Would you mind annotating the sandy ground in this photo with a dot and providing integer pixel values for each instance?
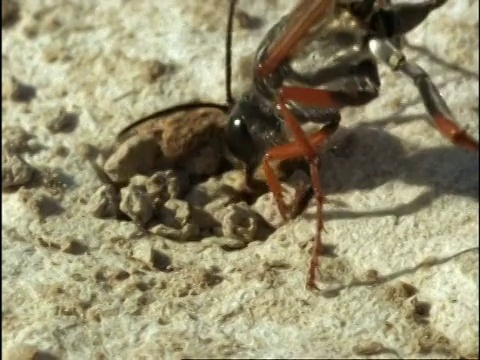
(402, 217)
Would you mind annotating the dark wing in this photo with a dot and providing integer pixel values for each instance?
(307, 14)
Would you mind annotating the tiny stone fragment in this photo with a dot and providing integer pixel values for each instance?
(368, 348)
(154, 69)
(217, 205)
(206, 192)
(203, 218)
(234, 179)
(249, 22)
(15, 139)
(87, 151)
(60, 120)
(139, 180)
(165, 185)
(15, 90)
(15, 170)
(224, 242)
(136, 204)
(54, 180)
(10, 12)
(188, 232)
(46, 243)
(175, 213)
(105, 202)
(144, 252)
(54, 52)
(372, 275)
(239, 221)
(31, 29)
(266, 206)
(61, 151)
(40, 203)
(73, 247)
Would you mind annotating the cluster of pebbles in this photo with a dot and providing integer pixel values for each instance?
(169, 176)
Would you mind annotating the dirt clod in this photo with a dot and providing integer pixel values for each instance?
(239, 221)
(40, 203)
(137, 155)
(15, 139)
(165, 185)
(154, 69)
(368, 348)
(175, 213)
(105, 202)
(136, 204)
(144, 252)
(73, 247)
(15, 170)
(247, 21)
(15, 90)
(225, 243)
(60, 120)
(187, 232)
(10, 12)
(208, 191)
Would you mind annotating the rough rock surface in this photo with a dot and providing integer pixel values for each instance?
(401, 278)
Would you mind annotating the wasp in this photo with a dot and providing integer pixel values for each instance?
(319, 58)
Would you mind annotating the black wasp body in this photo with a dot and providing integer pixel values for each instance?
(338, 54)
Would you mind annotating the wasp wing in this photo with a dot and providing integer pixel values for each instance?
(307, 14)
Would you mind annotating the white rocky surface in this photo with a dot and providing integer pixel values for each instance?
(402, 216)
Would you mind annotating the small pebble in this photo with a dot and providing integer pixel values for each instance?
(105, 202)
(136, 204)
(15, 170)
(15, 139)
(175, 213)
(14, 89)
(165, 185)
(240, 222)
(188, 232)
(60, 120)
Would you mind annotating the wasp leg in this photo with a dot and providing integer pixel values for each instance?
(302, 146)
(433, 101)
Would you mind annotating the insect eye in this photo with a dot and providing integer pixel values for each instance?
(239, 140)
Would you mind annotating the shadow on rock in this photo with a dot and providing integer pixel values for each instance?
(369, 157)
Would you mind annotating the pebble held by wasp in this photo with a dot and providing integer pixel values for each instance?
(317, 59)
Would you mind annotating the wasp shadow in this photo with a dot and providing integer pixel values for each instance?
(335, 291)
(369, 157)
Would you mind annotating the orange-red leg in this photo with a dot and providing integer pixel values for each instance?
(302, 146)
(455, 134)
(431, 97)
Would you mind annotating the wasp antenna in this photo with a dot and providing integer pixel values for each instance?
(228, 53)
